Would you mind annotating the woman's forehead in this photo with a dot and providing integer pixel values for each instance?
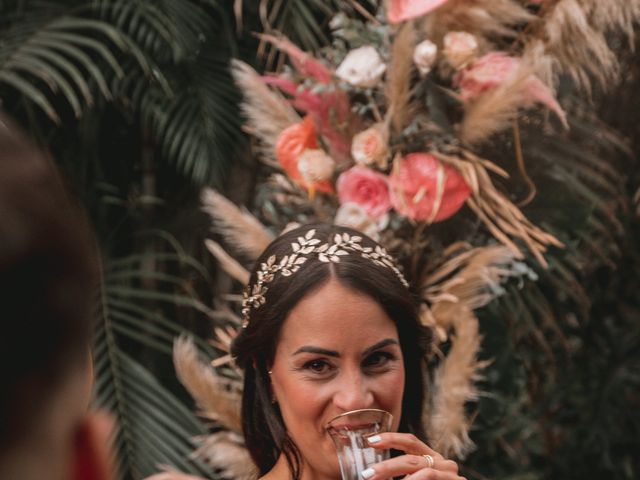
(336, 315)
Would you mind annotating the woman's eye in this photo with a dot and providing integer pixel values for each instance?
(317, 366)
(378, 359)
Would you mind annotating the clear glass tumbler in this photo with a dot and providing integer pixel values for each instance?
(349, 432)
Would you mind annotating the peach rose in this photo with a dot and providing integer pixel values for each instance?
(365, 187)
(423, 188)
(459, 48)
(315, 165)
(370, 147)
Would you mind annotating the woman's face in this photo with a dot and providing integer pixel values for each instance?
(338, 351)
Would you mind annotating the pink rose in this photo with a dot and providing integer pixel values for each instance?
(365, 187)
(423, 188)
(492, 70)
(401, 10)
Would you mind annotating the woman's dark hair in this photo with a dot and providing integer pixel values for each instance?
(254, 348)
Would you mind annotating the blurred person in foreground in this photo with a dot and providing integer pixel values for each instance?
(47, 276)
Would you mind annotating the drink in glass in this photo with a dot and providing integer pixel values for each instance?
(349, 432)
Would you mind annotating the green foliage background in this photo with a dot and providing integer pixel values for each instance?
(135, 102)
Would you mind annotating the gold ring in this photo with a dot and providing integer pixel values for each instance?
(430, 461)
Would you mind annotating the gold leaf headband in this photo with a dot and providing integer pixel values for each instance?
(306, 247)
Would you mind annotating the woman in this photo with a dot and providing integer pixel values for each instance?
(330, 326)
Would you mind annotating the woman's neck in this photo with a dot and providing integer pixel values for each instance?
(281, 471)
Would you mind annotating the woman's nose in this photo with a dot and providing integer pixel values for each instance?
(353, 392)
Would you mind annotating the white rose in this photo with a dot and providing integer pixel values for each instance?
(354, 216)
(371, 147)
(362, 67)
(315, 165)
(424, 56)
(460, 48)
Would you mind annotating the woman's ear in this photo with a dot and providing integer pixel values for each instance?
(92, 458)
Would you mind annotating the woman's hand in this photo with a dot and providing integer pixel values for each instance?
(420, 462)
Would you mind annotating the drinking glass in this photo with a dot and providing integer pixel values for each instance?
(349, 432)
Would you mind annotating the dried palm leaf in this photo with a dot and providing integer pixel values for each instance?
(398, 83)
(572, 38)
(472, 278)
(453, 386)
(228, 264)
(502, 218)
(468, 281)
(266, 110)
(482, 18)
(217, 397)
(614, 16)
(223, 337)
(238, 227)
(495, 110)
(226, 450)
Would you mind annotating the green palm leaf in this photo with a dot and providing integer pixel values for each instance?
(41, 56)
(154, 427)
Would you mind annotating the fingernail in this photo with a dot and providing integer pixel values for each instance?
(368, 473)
(374, 439)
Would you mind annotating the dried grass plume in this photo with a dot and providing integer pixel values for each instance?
(228, 264)
(482, 18)
(238, 227)
(398, 80)
(226, 450)
(266, 110)
(216, 397)
(468, 281)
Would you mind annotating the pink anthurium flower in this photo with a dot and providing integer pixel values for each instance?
(401, 10)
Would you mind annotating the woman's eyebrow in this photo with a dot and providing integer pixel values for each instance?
(380, 344)
(333, 353)
(317, 350)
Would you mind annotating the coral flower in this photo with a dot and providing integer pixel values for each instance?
(291, 144)
(423, 188)
(401, 10)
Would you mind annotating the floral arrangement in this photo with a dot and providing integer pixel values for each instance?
(385, 131)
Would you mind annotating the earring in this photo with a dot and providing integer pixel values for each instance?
(273, 395)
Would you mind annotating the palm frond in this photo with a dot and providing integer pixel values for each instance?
(160, 28)
(72, 55)
(154, 428)
(196, 128)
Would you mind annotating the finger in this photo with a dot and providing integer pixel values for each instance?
(412, 445)
(431, 474)
(406, 465)
(406, 442)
